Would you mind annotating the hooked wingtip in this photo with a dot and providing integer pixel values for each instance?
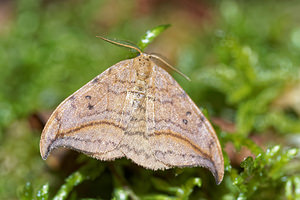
(44, 150)
(47, 140)
(49, 135)
(218, 175)
(219, 179)
(44, 157)
(216, 167)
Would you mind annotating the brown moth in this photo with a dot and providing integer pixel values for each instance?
(135, 109)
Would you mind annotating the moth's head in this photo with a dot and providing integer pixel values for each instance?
(145, 55)
(142, 61)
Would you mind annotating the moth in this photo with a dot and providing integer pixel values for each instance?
(135, 109)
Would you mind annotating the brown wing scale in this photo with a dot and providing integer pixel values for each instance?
(93, 119)
(181, 135)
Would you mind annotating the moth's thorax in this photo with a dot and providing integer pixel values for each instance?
(143, 67)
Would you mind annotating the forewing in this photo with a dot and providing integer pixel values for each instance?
(93, 119)
(181, 136)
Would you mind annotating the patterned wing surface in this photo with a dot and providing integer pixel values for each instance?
(93, 119)
(179, 134)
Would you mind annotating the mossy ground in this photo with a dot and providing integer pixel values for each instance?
(243, 58)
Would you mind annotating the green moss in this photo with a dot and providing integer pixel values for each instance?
(240, 65)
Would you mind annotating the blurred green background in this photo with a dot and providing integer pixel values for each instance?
(243, 58)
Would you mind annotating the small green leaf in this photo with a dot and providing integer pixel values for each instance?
(247, 164)
(162, 185)
(120, 194)
(26, 192)
(189, 187)
(43, 193)
(158, 197)
(182, 192)
(87, 172)
(151, 35)
(72, 181)
(144, 41)
(289, 189)
(292, 188)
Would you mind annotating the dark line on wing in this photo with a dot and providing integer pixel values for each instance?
(126, 146)
(170, 133)
(195, 147)
(93, 123)
(181, 155)
(140, 133)
(156, 133)
(121, 113)
(137, 152)
(80, 140)
(159, 121)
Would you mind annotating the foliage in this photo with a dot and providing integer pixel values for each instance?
(263, 175)
(241, 66)
(151, 35)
